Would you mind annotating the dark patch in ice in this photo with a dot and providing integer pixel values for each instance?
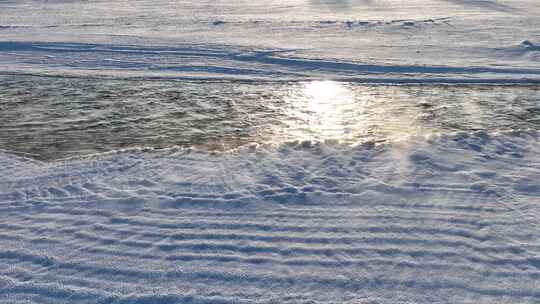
(403, 23)
(528, 45)
(218, 22)
(409, 23)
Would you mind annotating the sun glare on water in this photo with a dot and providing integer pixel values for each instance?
(322, 110)
(329, 103)
(338, 111)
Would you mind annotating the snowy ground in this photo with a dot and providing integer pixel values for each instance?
(446, 212)
(364, 40)
(452, 219)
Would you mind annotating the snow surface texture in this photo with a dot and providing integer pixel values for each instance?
(362, 40)
(448, 219)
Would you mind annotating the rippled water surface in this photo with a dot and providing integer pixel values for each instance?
(51, 118)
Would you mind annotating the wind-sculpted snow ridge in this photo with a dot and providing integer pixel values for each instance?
(225, 63)
(448, 219)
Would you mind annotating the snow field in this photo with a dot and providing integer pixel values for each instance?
(447, 219)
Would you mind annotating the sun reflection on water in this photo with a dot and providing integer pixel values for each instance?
(327, 107)
(337, 111)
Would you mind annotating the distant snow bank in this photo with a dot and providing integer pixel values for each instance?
(303, 222)
(390, 41)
